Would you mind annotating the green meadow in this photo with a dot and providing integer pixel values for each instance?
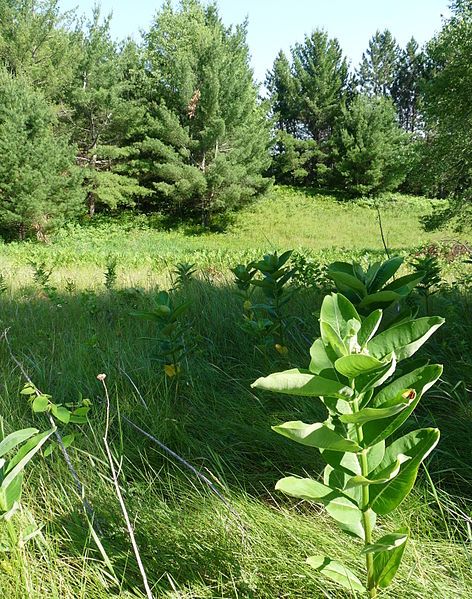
(69, 328)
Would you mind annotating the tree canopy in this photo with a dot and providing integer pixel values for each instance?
(175, 123)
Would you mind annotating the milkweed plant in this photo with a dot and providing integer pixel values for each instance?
(368, 391)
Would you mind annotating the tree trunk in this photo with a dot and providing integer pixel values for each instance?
(90, 195)
(91, 204)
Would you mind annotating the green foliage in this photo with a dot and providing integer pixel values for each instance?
(446, 164)
(377, 70)
(352, 371)
(373, 289)
(370, 148)
(41, 274)
(36, 43)
(406, 88)
(74, 413)
(206, 143)
(172, 346)
(310, 273)
(101, 117)
(430, 270)
(265, 320)
(110, 272)
(183, 275)
(307, 98)
(40, 185)
(29, 441)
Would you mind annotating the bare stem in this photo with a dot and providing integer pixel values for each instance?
(101, 377)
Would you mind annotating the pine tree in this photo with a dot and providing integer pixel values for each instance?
(101, 116)
(39, 182)
(206, 146)
(307, 98)
(37, 41)
(369, 147)
(281, 86)
(321, 74)
(377, 71)
(406, 86)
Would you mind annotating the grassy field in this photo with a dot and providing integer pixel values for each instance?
(192, 546)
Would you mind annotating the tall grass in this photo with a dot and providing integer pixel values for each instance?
(191, 545)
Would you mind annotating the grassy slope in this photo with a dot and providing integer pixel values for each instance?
(191, 546)
(286, 219)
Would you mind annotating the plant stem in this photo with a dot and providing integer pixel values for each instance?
(369, 559)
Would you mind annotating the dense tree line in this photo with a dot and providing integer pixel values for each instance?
(176, 123)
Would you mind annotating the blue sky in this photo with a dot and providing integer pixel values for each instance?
(278, 24)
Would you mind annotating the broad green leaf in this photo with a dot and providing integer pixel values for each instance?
(375, 454)
(336, 478)
(315, 435)
(369, 327)
(24, 455)
(404, 339)
(13, 439)
(388, 542)
(28, 390)
(381, 297)
(10, 494)
(419, 380)
(338, 505)
(61, 413)
(346, 462)
(343, 279)
(308, 488)
(322, 357)
(369, 414)
(404, 285)
(336, 406)
(67, 440)
(40, 403)
(336, 571)
(416, 445)
(385, 272)
(302, 382)
(371, 380)
(355, 364)
(332, 339)
(381, 477)
(50, 449)
(372, 270)
(349, 462)
(337, 311)
(386, 563)
(339, 266)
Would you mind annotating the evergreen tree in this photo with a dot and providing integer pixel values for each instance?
(281, 86)
(321, 75)
(36, 41)
(369, 147)
(377, 71)
(448, 152)
(206, 144)
(39, 182)
(101, 116)
(406, 86)
(307, 98)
